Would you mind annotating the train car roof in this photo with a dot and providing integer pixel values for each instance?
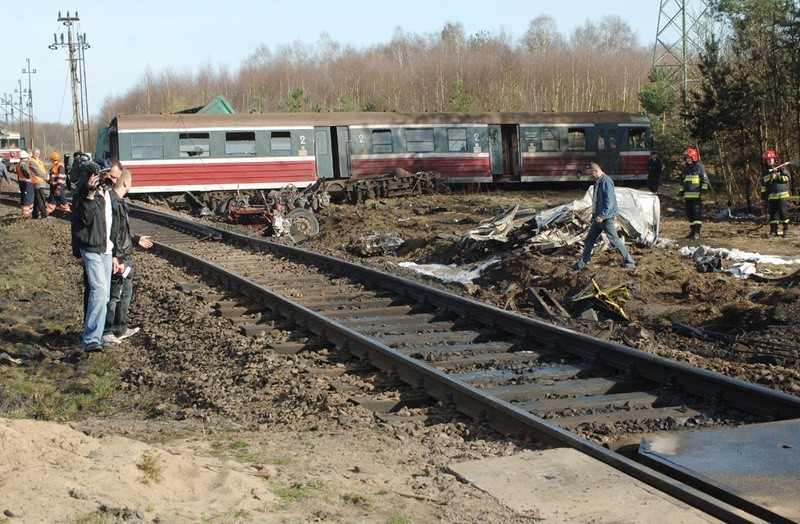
(248, 120)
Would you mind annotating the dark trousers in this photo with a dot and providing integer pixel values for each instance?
(694, 211)
(778, 210)
(39, 203)
(119, 302)
(58, 194)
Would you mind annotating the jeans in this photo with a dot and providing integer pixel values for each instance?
(118, 303)
(609, 227)
(97, 269)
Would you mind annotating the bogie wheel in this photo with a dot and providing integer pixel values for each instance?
(303, 221)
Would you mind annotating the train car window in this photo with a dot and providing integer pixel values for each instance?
(550, 141)
(280, 143)
(612, 139)
(381, 141)
(240, 144)
(601, 142)
(419, 140)
(147, 145)
(576, 139)
(457, 139)
(637, 138)
(193, 145)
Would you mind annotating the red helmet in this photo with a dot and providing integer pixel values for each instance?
(769, 154)
(692, 153)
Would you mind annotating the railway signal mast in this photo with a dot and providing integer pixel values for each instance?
(76, 45)
(683, 28)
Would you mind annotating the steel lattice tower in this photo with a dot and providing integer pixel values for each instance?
(683, 28)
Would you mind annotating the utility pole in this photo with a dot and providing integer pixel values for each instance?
(21, 105)
(75, 47)
(683, 28)
(29, 72)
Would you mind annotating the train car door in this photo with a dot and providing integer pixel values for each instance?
(608, 148)
(504, 155)
(340, 143)
(323, 152)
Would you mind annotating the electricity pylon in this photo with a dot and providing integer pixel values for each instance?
(684, 26)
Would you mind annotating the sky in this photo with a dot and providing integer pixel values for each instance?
(128, 38)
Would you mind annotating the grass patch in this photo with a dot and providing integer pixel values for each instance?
(399, 519)
(297, 491)
(357, 499)
(236, 450)
(151, 471)
(47, 393)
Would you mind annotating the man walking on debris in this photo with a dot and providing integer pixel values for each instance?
(654, 168)
(694, 184)
(604, 213)
(775, 180)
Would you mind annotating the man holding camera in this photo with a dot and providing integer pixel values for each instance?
(92, 246)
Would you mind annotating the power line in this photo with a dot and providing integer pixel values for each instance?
(76, 45)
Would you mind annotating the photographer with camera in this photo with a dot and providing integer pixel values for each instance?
(92, 245)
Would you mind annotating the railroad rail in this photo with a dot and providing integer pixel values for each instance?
(519, 375)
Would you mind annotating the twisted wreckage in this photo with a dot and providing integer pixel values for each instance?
(639, 216)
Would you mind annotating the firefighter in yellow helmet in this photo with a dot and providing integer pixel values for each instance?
(694, 184)
(775, 180)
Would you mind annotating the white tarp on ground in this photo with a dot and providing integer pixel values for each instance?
(639, 213)
(736, 254)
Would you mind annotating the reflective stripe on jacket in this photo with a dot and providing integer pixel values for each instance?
(694, 181)
(57, 174)
(778, 188)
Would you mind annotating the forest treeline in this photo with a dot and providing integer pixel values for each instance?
(746, 98)
(600, 66)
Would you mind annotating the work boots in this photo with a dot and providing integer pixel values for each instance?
(773, 230)
(785, 230)
(694, 232)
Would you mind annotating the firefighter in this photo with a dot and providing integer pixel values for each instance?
(775, 182)
(58, 185)
(694, 184)
(25, 187)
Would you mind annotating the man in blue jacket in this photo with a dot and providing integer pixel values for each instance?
(604, 212)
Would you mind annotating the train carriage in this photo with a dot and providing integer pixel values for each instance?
(207, 152)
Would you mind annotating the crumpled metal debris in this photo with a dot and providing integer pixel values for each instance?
(376, 244)
(499, 227)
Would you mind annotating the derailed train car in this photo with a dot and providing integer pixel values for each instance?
(256, 151)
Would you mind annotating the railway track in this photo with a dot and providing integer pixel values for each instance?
(516, 374)
(521, 376)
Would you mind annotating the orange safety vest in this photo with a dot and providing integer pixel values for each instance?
(35, 179)
(57, 174)
(23, 170)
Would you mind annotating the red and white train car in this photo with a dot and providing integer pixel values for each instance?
(212, 152)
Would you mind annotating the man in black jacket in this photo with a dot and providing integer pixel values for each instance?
(116, 326)
(92, 247)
